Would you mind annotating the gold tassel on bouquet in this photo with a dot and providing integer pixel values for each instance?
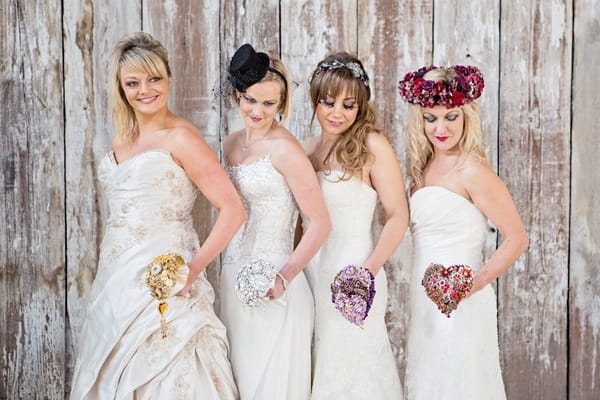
(161, 276)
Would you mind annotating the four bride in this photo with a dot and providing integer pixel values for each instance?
(302, 293)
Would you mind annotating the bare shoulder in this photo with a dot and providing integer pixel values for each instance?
(310, 144)
(479, 178)
(283, 141)
(231, 139)
(475, 169)
(285, 149)
(376, 141)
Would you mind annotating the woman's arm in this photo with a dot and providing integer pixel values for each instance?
(490, 195)
(386, 178)
(292, 163)
(202, 166)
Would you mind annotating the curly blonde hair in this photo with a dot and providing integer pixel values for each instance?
(137, 51)
(420, 149)
(351, 149)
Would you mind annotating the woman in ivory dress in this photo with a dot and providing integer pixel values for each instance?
(151, 177)
(454, 192)
(356, 167)
(270, 343)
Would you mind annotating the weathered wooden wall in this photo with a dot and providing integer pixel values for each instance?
(540, 62)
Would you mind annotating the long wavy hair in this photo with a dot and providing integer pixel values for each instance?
(137, 51)
(420, 149)
(350, 148)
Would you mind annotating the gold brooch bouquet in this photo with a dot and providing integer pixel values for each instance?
(162, 274)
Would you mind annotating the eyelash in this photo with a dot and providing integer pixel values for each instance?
(135, 83)
(450, 118)
(331, 104)
(252, 101)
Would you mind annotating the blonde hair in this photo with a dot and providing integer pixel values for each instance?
(137, 51)
(420, 149)
(285, 106)
(351, 149)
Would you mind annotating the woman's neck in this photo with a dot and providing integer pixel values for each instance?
(148, 123)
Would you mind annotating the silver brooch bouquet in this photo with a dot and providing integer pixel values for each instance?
(254, 280)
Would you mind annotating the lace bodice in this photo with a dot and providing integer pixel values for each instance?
(271, 208)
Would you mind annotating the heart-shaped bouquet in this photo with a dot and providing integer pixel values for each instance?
(447, 286)
(352, 293)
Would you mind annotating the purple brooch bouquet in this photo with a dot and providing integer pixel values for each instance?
(352, 293)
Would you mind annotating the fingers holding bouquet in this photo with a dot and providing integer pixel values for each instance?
(258, 281)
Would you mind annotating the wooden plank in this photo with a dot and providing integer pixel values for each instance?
(190, 31)
(584, 285)
(534, 162)
(385, 30)
(313, 30)
(459, 40)
(91, 30)
(32, 251)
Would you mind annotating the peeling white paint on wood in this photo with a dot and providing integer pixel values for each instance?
(524, 52)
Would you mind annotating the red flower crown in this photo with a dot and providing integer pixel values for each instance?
(465, 87)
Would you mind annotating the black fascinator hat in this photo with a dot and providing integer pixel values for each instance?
(247, 67)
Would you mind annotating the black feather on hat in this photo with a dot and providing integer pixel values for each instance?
(247, 67)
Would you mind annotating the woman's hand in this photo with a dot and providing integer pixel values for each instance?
(277, 290)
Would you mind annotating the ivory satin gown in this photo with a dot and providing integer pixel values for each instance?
(121, 353)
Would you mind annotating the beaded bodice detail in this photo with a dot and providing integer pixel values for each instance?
(271, 208)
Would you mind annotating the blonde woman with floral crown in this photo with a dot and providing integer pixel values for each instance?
(452, 349)
(269, 321)
(151, 177)
(357, 168)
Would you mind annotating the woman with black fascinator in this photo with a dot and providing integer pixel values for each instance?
(266, 302)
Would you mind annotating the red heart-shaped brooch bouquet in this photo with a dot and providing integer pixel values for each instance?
(447, 286)
(352, 293)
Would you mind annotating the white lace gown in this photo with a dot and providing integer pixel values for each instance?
(456, 357)
(270, 345)
(121, 354)
(349, 362)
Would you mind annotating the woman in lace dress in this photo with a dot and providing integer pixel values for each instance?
(151, 177)
(270, 344)
(454, 192)
(357, 168)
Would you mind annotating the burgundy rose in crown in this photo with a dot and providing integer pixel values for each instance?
(447, 286)
(352, 293)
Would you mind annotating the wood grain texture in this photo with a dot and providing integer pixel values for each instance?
(52, 211)
(470, 35)
(190, 32)
(312, 31)
(393, 38)
(584, 282)
(91, 30)
(32, 248)
(534, 163)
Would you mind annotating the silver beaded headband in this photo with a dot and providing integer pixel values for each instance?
(353, 67)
